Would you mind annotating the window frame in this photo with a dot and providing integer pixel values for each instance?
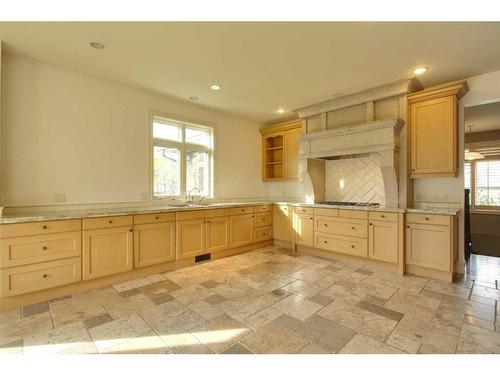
(182, 146)
(472, 184)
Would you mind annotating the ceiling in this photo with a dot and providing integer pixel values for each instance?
(260, 66)
(483, 117)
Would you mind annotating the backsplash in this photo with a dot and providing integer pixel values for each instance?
(354, 180)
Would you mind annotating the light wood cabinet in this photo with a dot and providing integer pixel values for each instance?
(383, 241)
(154, 243)
(280, 151)
(241, 230)
(191, 236)
(217, 233)
(433, 130)
(283, 223)
(107, 251)
(429, 246)
(304, 229)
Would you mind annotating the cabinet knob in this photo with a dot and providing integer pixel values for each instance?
(371, 223)
(353, 228)
(44, 227)
(44, 248)
(156, 217)
(407, 226)
(325, 241)
(325, 225)
(426, 218)
(111, 221)
(45, 276)
(130, 230)
(353, 246)
(382, 215)
(311, 218)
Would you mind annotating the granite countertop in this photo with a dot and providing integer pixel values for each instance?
(102, 212)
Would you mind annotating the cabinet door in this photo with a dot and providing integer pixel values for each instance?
(282, 223)
(433, 136)
(154, 243)
(191, 237)
(241, 230)
(217, 233)
(383, 241)
(107, 251)
(292, 154)
(304, 229)
(429, 246)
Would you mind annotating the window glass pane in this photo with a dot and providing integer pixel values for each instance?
(162, 130)
(487, 183)
(197, 172)
(198, 136)
(166, 171)
(467, 175)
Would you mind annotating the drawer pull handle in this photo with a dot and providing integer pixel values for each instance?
(45, 276)
(44, 227)
(44, 248)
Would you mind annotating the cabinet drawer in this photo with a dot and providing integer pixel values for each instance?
(283, 208)
(428, 219)
(39, 227)
(17, 251)
(263, 220)
(264, 208)
(341, 244)
(107, 222)
(241, 210)
(341, 226)
(263, 234)
(219, 212)
(304, 210)
(353, 214)
(191, 215)
(34, 277)
(154, 218)
(326, 211)
(383, 216)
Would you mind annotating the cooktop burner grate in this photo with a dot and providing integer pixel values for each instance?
(334, 203)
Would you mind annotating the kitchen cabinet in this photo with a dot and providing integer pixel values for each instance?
(154, 243)
(431, 242)
(383, 241)
(280, 150)
(191, 236)
(241, 229)
(304, 229)
(433, 130)
(107, 251)
(217, 233)
(283, 223)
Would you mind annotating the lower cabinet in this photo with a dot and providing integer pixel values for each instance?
(217, 233)
(283, 223)
(304, 229)
(34, 277)
(107, 251)
(341, 244)
(154, 243)
(191, 237)
(241, 230)
(429, 246)
(383, 241)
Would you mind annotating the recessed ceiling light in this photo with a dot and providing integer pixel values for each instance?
(96, 45)
(215, 87)
(281, 110)
(193, 98)
(420, 70)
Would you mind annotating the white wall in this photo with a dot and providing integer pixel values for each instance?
(65, 132)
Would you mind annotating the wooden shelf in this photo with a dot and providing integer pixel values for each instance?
(274, 162)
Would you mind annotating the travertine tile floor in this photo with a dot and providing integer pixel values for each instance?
(264, 301)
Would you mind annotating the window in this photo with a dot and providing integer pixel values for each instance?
(483, 178)
(182, 155)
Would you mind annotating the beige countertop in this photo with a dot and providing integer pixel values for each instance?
(102, 212)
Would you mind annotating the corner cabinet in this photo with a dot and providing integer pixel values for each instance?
(433, 130)
(280, 151)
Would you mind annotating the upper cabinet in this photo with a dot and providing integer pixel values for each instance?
(433, 130)
(280, 151)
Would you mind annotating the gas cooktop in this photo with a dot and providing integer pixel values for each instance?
(363, 204)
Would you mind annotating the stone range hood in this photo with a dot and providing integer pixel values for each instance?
(370, 122)
(380, 137)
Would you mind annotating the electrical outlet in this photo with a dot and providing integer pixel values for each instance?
(60, 197)
(144, 196)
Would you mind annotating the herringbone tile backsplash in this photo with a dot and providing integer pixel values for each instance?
(354, 180)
